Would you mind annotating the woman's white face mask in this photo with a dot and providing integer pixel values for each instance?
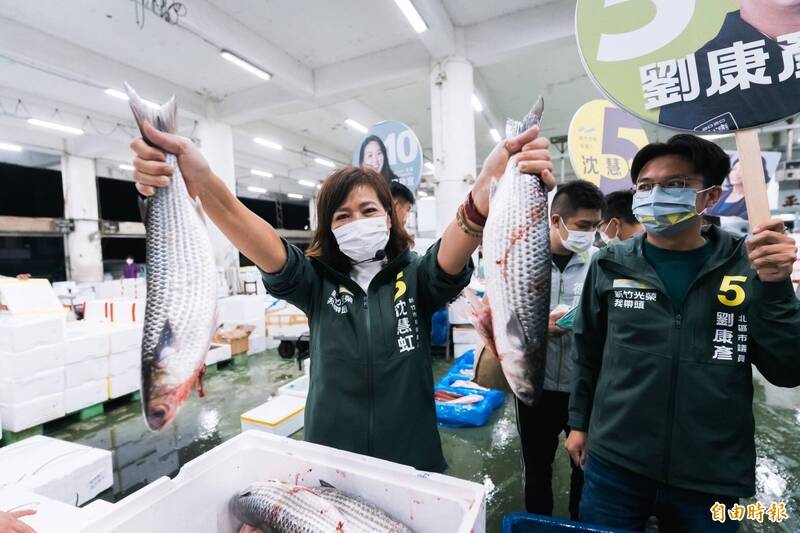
(361, 239)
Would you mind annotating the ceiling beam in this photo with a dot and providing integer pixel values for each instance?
(440, 38)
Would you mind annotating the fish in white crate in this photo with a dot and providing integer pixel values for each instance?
(180, 313)
(277, 507)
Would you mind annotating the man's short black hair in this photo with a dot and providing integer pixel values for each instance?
(708, 159)
(576, 195)
(619, 206)
(401, 192)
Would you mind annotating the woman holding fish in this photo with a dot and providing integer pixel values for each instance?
(368, 297)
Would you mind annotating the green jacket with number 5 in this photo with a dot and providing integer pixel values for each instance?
(668, 393)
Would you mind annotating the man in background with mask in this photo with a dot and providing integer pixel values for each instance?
(575, 214)
(668, 327)
(403, 200)
(619, 223)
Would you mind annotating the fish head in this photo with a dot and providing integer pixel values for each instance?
(166, 383)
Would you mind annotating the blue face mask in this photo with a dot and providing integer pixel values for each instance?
(666, 213)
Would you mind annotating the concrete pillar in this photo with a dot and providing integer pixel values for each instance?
(83, 250)
(215, 140)
(453, 128)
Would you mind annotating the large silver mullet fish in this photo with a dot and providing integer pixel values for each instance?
(517, 262)
(180, 315)
(276, 507)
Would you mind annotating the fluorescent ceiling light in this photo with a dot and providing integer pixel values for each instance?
(259, 190)
(356, 125)
(319, 186)
(267, 143)
(717, 136)
(249, 67)
(412, 15)
(126, 167)
(10, 147)
(495, 135)
(430, 166)
(306, 183)
(324, 162)
(422, 194)
(54, 126)
(262, 173)
(122, 96)
(295, 196)
(476, 104)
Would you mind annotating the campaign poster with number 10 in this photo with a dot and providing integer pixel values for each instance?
(695, 65)
(392, 149)
(603, 139)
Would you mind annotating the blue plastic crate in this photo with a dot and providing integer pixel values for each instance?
(534, 523)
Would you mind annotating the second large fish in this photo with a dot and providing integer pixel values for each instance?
(517, 261)
(180, 314)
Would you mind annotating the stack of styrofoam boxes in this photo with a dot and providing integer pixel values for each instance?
(246, 310)
(31, 371)
(117, 301)
(86, 365)
(464, 338)
(64, 471)
(124, 360)
(51, 515)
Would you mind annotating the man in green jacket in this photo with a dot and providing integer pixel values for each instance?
(670, 325)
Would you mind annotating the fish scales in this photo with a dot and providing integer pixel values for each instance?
(180, 311)
(516, 249)
(277, 507)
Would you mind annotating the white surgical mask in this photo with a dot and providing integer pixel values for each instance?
(576, 241)
(129, 261)
(360, 240)
(610, 241)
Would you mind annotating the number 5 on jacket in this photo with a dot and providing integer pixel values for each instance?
(729, 286)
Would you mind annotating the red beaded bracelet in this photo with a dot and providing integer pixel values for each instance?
(473, 215)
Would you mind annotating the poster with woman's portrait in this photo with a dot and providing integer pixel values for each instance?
(391, 148)
(731, 202)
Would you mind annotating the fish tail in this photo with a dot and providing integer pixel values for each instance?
(163, 119)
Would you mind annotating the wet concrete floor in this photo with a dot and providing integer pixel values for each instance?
(487, 455)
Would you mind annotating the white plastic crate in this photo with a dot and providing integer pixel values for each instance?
(24, 364)
(280, 415)
(78, 374)
(18, 334)
(32, 387)
(65, 471)
(297, 388)
(51, 515)
(21, 416)
(197, 498)
(86, 395)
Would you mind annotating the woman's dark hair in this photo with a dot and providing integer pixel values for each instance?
(386, 171)
(332, 195)
(735, 160)
(708, 159)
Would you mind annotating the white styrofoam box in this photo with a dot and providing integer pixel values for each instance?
(125, 337)
(99, 311)
(125, 383)
(95, 510)
(281, 415)
(461, 349)
(241, 308)
(51, 515)
(18, 334)
(32, 387)
(217, 353)
(465, 335)
(122, 362)
(256, 344)
(259, 325)
(297, 388)
(85, 395)
(21, 416)
(131, 288)
(86, 340)
(77, 374)
(425, 502)
(307, 366)
(65, 471)
(459, 311)
(128, 311)
(22, 365)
